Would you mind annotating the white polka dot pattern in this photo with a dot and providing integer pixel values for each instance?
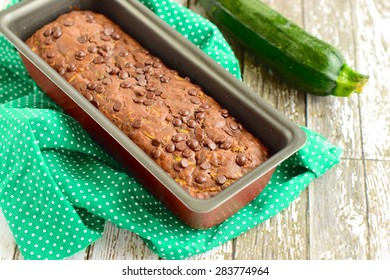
(57, 188)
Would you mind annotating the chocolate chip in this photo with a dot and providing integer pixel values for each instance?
(142, 83)
(179, 137)
(123, 75)
(106, 48)
(205, 106)
(108, 31)
(125, 84)
(47, 32)
(180, 146)
(241, 159)
(184, 112)
(71, 67)
(83, 38)
(61, 71)
(192, 92)
(98, 60)
(195, 100)
(107, 81)
(68, 22)
(92, 49)
(170, 148)
(191, 123)
(219, 139)
(205, 165)
(56, 28)
(137, 123)
(156, 142)
(193, 143)
(95, 103)
(226, 145)
(115, 36)
(184, 163)
(139, 64)
(140, 71)
(187, 153)
(57, 34)
(199, 131)
(147, 69)
(148, 102)
(105, 37)
(224, 113)
(114, 70)
(164, 79)
(157, 64)
(90, 18)
(118, 105)
(201, 179)
(221, 179)
(102, 53)
(233, 125)
(199, 137)
(212, 146)
(80, 54)
(200, 115)
(89, 96)
(138, 100)
(150, 95)
(140, 92)
(100, 89)
(177, 166)
(92, 85)
(177, 122)
(47, 41)
(50, 54)
(123, 53)
(156, 153)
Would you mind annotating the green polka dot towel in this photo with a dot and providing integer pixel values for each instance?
(58, 188)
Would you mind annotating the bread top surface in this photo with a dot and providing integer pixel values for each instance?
(196, 141)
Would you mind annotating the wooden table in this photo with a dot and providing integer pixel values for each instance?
(346, 213)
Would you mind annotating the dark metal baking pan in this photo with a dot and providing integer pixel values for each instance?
(278, 133)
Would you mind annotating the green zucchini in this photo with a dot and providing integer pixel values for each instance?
(300, 59)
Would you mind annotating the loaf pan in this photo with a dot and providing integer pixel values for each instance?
(279, 134)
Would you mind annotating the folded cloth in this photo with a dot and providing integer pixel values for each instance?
(57, 187)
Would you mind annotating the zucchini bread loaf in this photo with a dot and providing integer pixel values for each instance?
(196, 141)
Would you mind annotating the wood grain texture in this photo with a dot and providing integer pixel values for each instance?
(345, 213)
(378, 205)
(338, 214)
(372, 21)
(119, 244)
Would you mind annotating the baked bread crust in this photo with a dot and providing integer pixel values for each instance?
(196, 141)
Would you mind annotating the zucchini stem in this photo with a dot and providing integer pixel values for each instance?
(349, 81)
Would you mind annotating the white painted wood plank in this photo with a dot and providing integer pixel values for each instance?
(283, 237)
(119, 244)
(222, 252)
(338, 214)
(372, 21)
(378, 194)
